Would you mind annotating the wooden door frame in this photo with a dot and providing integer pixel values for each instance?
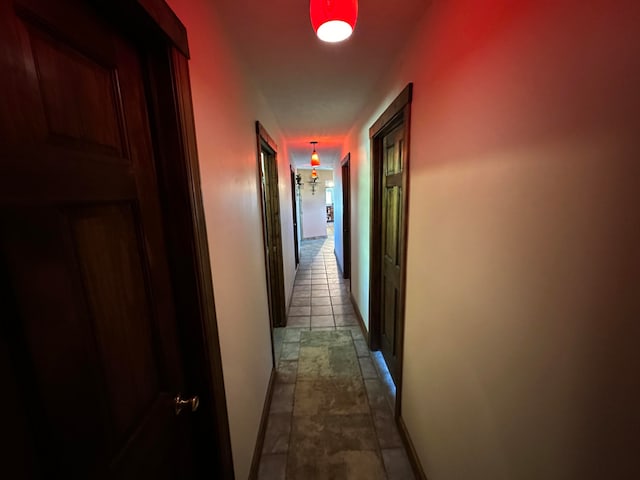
(399, 112)
(275, 279)
(346, 200)
(161, 40)
(294, 213)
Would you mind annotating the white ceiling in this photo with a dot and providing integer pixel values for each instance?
(316, 90)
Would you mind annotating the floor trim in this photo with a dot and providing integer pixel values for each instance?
(257, 453)
(411, 451)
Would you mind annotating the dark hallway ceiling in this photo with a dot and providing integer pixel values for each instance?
(316, 90)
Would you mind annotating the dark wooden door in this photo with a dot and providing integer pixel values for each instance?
(294, 212)
(268, 168)
(346, 217)
(88, 330)
(393, 184)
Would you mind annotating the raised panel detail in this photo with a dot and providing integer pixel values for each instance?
(110, 255)
(79, 96)
(392, 218)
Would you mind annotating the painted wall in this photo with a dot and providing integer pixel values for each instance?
(522, 308)
(226, 107)
(338, 212)
(313, 209)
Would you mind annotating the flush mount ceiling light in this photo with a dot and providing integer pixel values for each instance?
(315, 159)
(333, 20)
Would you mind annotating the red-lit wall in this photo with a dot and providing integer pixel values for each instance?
(226, 107)
(522, 332)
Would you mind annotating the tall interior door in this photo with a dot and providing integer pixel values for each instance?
(88, 335)
(268, 168)
(390, 147)
(294, 211)
(393, 180)
(346, 216)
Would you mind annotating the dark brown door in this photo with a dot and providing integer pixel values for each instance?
(393, 180)
(88, 331)
(268, 167)
(294, 211)
(346, 217)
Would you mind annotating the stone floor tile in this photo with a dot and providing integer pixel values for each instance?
(376, 395)
(321, 309)
(333, 447)
(343, 309)
(362, 348)
(332, 396)
(292, 334)
(346, 320)
(320, 301)
(287, 371)
(322, 321)
(282, 400)
(299, 311)
(299, 321)
(367, 368)
(340, 300)
(276, 439)
(300, 301)
(386, 428)
(397, 464)
(290, 351)
(273, 467)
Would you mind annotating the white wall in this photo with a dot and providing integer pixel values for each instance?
(522, 333)
(313, 209)
(337, 216)
(226, 107)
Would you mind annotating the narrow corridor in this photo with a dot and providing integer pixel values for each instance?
(330, 415)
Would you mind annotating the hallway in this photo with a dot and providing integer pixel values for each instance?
(330, 416)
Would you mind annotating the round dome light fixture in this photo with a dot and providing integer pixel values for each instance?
(333, 20)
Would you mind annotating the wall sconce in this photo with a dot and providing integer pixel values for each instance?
(299, 183)
(314, 180)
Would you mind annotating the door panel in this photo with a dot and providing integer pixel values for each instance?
(392, 245)
(90, 303)
(346, 216)
(268, 169)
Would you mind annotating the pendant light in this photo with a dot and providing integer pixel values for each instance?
(315, 159)
(333, 20)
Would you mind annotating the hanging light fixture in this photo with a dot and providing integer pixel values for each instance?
(315, 159)
(333, 20)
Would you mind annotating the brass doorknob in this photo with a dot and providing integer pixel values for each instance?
(181, 403)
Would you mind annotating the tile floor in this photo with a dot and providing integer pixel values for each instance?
(330, 413)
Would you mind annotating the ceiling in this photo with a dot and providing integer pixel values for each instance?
(316, 90)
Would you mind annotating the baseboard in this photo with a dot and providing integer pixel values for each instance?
(411, 451)
(257, 453)
(363, 328)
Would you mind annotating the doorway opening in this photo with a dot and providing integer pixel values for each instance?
(389, 180)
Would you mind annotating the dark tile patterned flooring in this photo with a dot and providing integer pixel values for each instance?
(330, 416)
